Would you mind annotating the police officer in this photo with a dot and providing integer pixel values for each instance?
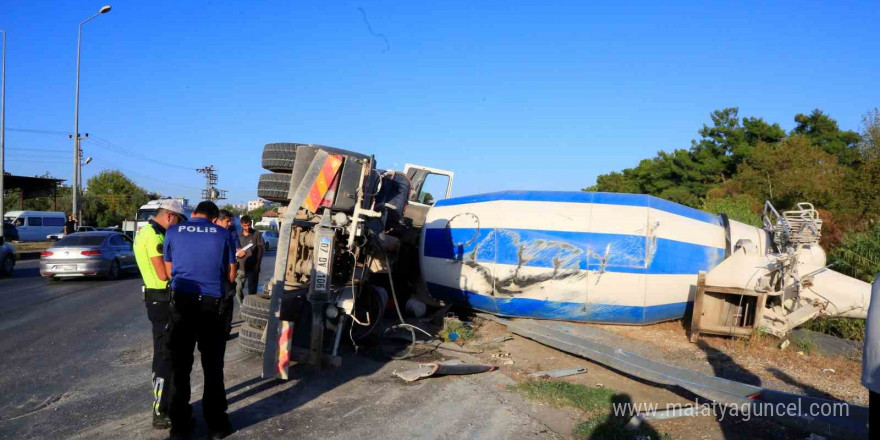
(148, 250)
(199, 255)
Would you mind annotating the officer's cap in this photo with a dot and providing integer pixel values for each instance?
(172, 205)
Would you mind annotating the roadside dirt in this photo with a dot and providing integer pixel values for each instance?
(756, 361)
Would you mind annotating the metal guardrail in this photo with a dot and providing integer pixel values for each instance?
(565, 337)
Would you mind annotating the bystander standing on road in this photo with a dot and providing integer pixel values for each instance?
(199, 255)
(249, 264)
(226, 220)
(70, 225)
(148, 251)
(871, 360)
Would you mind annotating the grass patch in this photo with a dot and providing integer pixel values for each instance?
(806, 345)
(464, 331)
(846, 328)
(559, 393)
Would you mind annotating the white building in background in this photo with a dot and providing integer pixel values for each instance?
(255, 204)
(269, 221)
(240, 206)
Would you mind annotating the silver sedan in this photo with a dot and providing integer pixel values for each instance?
(100, 253)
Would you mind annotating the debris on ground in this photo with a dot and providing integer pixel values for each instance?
(492, 341)
(455, 329)
(451, 367)
(784, 344)
(562, 372)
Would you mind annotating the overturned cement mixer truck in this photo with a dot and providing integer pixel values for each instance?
(352, 233)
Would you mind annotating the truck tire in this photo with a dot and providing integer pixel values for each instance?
(249, 340)
(255, 311)
(279, 157)
(274, 187)
(7, 266)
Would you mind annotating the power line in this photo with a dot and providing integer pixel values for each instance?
(43, 150)
(35, 131)
(105, 144)
(39, 161)
(145, 176)
(109, 146)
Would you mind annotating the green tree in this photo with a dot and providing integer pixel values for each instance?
(110, 198)
(685, 176)
(257, 214)
(869, 144)
(792, 171)
(824, 133)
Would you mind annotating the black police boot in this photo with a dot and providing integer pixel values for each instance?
(220, 428)
(161, 421)
(183, 430)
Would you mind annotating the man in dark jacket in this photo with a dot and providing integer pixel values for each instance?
(249, 265)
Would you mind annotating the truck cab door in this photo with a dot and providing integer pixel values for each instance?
(428, 183)
(428, 186)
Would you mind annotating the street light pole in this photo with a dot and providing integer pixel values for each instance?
(76, 138)
(2, 131)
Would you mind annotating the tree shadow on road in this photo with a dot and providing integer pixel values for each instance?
(725, 367)
(805, 388)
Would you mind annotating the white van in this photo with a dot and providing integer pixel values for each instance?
(36, 225)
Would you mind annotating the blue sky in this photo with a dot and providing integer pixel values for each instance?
(508, 95)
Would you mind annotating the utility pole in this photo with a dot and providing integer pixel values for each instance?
(2, 131)
(211, 192)
(75, 209)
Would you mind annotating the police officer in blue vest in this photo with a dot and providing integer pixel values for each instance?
(200, 256)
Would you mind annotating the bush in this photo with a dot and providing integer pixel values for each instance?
(858, 254)
(740, 207)
(846, 328)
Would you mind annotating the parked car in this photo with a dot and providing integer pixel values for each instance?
(36, 225)
(10, 231)
(7, 258)
(99, 253)
(270, 237)
(58, 236)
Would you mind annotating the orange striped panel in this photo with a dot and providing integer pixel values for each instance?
(284, 338)
(322, 183)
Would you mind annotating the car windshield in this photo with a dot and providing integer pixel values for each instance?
(81, 240)
(145, 214)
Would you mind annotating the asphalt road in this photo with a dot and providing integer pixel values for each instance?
(75, 362)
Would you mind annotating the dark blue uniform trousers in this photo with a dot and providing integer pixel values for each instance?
(202, 322)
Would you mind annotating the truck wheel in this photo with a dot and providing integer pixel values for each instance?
(279, 157)
(249, 339)
(8, 266)
(274, 187)
(255, 311)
